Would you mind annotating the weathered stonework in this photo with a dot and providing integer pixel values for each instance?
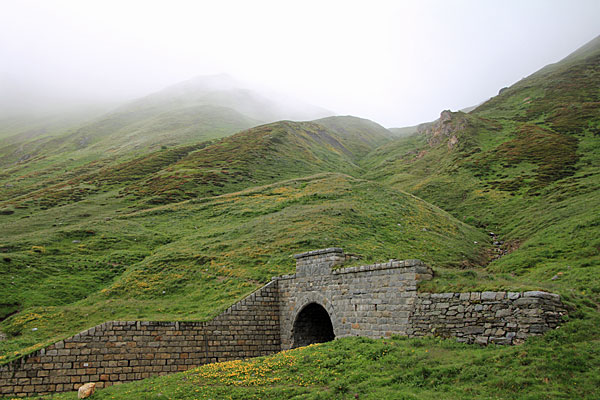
(486, 317)
(373, 300)
(123, 351)
(317, 303)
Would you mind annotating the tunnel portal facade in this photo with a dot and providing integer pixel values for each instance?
(373, 300)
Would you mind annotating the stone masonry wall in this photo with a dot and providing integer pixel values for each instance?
(373, 300)
(381, 300)
(486, 317)
(125, 351)
(376, 301)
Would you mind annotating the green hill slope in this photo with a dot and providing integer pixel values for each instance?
(199, 109)
(94, 237)
(205, 108)
(359, 135)
(131, 130)
(260, 155)
(525, 165)
(265, 154)
(405, 131)
(36, 164)
(76, 265)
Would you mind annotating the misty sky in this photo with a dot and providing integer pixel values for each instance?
(398, 62)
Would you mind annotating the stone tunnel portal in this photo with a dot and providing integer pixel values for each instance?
(312, 325)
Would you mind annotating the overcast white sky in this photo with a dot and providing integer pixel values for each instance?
(398, 62)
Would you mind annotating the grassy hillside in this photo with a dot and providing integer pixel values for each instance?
(21, 127)
(405, 131)
(523, 165)
(203, 108)
(73, 266)
(183, 232)
(265, 154)
(118, 137)
(359, 135)
(133, 131)
(34, 154)
(260, 155)
(225, 91)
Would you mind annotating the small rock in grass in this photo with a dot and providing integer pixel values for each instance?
(555, 277)
(86, 390)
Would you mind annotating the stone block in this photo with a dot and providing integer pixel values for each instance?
(513, 295)
(503, 313)
(464, 296)
(500, 340)
(542, 295)
(526, 301)
(485, 296)
(482, 340)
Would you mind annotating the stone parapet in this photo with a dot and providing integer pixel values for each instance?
(318, 262)
(370, 300)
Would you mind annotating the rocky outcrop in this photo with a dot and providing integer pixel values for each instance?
(446, 128)
(86, 390)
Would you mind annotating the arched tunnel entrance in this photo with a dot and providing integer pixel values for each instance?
(312, 325)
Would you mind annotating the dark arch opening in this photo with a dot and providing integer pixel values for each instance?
(312, 325)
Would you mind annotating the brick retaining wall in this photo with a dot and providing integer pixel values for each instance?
(123, 351)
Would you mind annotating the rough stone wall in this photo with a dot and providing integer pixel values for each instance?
(486, 317)
(125, 351)
(373, 300)
(381, 300)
